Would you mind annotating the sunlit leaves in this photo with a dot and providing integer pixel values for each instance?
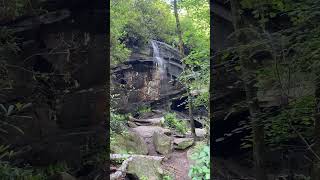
(135, 22)
(201, 169)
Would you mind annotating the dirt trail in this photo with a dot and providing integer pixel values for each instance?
(176, 163)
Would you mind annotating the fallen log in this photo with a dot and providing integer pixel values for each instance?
(123, 156)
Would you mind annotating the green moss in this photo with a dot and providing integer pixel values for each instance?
(128, 143)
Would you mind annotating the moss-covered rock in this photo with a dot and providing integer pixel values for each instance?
(183, 143)
(145, 168)
(162, 143)
(129, 143)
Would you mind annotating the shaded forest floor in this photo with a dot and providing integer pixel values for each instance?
(160, 141)
(176, 162)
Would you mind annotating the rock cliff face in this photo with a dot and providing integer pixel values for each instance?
(138, 80)
(62, 70)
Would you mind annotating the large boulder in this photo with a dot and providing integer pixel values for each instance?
(149, 122)
(146, 168)
(132, 124)
(148, 131)
(183, 143)
(162, 143)
(129, 142)
(201, 133)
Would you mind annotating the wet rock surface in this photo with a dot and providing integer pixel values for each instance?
(138, 80)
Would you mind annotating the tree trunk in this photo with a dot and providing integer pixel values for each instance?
(193, 129)
(181, 49)
(179, 32)
(316, 164)
(251, 95)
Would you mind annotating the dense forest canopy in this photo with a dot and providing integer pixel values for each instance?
(136, 22)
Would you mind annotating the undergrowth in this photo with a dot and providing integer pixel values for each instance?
(201, 169)
(173, 122)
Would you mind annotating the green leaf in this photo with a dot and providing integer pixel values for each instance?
(237, 68)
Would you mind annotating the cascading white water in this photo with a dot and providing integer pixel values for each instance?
(160, 63)
(161, 68)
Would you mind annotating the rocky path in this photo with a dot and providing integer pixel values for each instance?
(176, 161)
(178, 164)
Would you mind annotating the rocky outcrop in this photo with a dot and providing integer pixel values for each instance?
(142, 167)
(162, 143)
(147, 168)
(148, 122)
(129, 143)
(147, 131)
(137, 81)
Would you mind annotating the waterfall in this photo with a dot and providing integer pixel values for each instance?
(160, 62)
(161, 68)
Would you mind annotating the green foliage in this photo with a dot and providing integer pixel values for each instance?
(7, 114)
(201, 169)
(171, 121)
(9, 172)
(135, 22)
(167, 177)
(5, 152)
(144, 178)
(54, 169)
(144, 109)
(294, 55)
(11, 9)
(195, 24)
(117, 122)
(298, 114)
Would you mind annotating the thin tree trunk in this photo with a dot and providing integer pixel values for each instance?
(316, 164)
(251, 96)
(179, 32)
(193, 129)
(181, 49)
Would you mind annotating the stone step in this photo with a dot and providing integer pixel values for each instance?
(147, 131)
(147, 122)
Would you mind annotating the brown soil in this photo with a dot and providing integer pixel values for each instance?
(178, 165)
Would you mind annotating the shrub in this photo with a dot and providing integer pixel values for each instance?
(167, 177)
(171, 121)
(201, 169)
(117, 123)
(9, 172)
(144, 109)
